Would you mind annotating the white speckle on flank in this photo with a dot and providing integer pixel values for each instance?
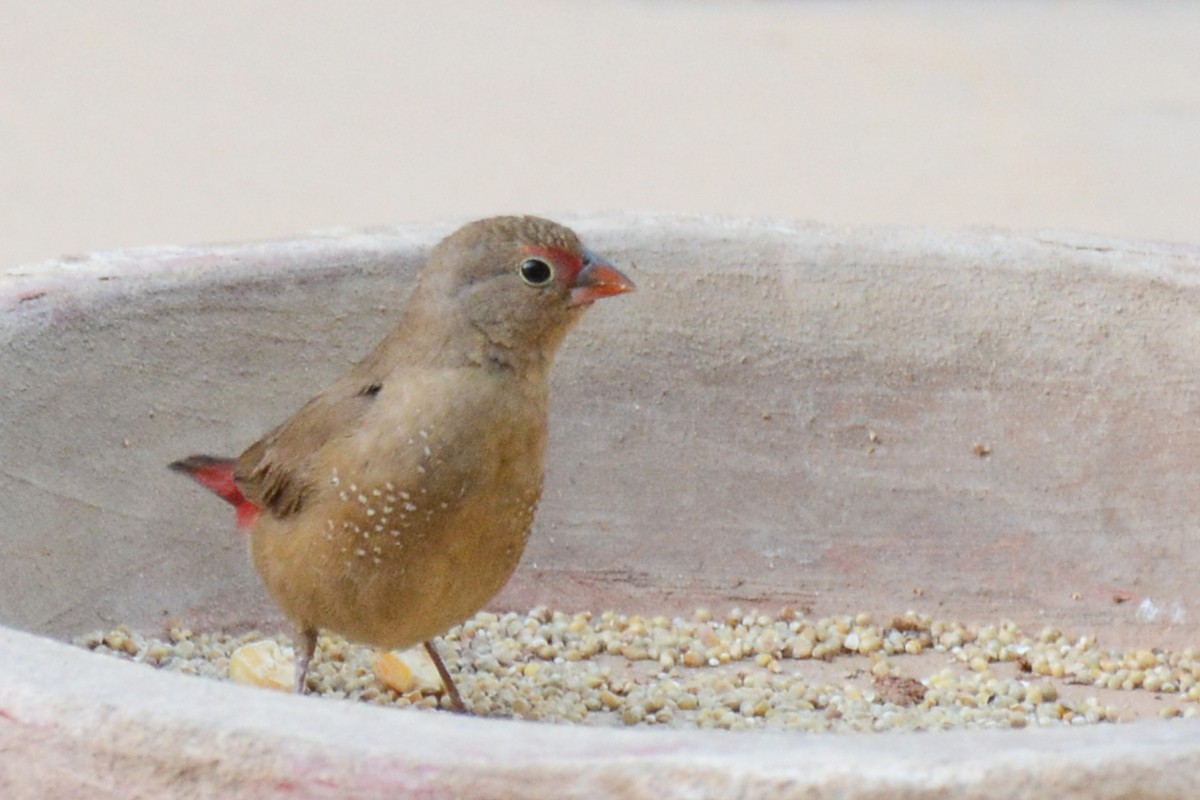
(358, 551)
(389, 486)
(427, 451)
(410, 506)
(353, 487)
(344, 497)
(423, 433)
(370, 512)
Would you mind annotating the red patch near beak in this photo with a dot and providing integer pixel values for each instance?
(589, 277)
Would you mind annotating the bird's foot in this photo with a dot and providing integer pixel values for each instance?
(306, 645)
(456, 703)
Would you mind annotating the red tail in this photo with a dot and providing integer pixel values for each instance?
(216, 475)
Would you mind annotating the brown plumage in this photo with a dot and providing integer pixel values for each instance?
(397, 502)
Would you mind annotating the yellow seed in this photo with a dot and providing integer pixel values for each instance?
(870, 644)
(157, 652)
(655, 702)
(407, 671)
(393, 672)
(264, 664)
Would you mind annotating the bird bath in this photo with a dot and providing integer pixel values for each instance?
(976, 424)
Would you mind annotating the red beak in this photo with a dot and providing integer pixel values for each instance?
(598, 279)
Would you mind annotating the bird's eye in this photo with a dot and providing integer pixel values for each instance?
(536, 272)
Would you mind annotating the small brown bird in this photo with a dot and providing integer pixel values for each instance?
(397, 502)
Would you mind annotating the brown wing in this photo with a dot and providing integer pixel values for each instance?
(276, 472)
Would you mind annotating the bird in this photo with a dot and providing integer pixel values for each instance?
(397, 502)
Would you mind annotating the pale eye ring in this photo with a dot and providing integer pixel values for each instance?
(536, 272)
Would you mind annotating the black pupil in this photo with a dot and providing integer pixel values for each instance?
(535, 271)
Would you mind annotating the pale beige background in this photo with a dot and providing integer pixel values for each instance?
(126, 123)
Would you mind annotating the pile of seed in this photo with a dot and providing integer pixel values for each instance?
(743, 671)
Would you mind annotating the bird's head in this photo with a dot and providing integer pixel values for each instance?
(520, 282)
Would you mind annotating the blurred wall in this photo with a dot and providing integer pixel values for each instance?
(138, 122)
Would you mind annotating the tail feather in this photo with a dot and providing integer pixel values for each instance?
(216, 475)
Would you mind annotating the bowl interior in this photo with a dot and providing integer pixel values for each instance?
(975, 425)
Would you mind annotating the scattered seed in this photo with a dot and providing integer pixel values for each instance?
(736, 670)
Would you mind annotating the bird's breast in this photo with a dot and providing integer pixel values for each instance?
(421, 516)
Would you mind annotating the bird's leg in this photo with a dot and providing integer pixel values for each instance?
(456, 703)
(306, 645)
